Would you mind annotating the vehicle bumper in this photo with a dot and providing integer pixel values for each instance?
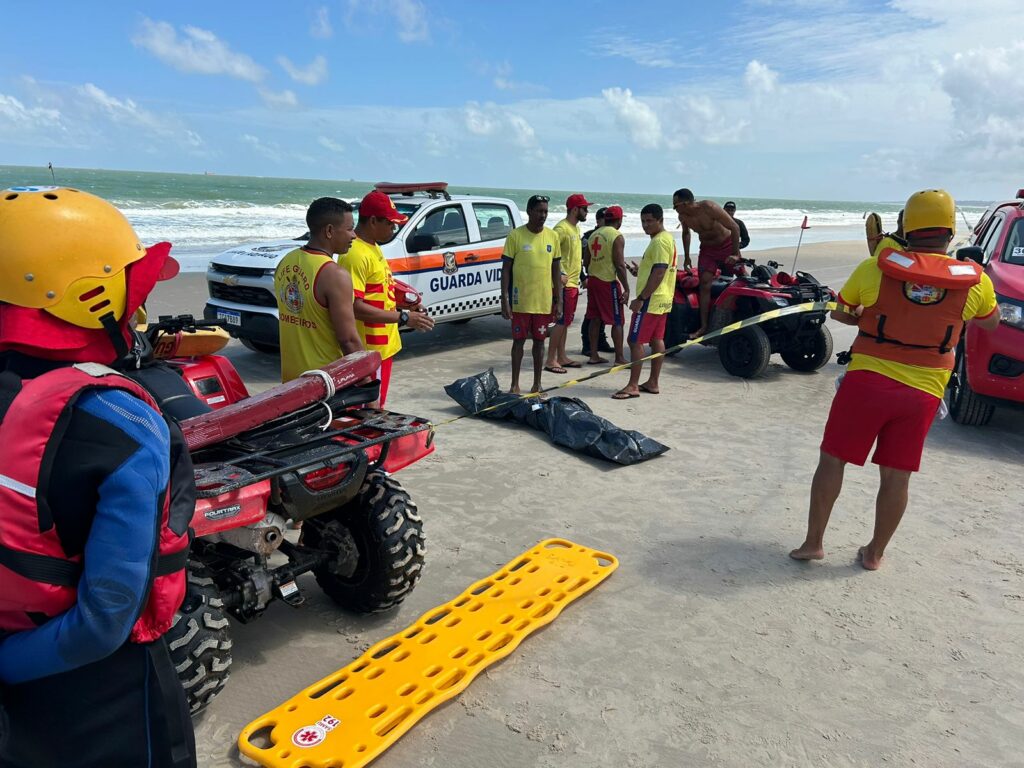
(995, 362)
(260, 326)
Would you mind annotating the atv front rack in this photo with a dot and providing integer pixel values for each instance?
(299, 444)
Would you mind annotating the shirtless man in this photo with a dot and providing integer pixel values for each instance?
(719, 244)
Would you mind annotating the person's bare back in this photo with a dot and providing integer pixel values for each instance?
(708, 219)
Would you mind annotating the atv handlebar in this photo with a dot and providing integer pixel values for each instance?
(181, 324)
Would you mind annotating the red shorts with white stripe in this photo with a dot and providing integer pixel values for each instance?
(603, 301)
(646, 327)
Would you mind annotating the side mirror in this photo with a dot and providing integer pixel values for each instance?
(971, 253)
(422, 242)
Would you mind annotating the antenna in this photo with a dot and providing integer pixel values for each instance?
(52, 174)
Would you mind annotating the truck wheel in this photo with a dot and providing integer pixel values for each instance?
(377, 544)
(964, 404)
(812, 354)
(259, 346)
(199, 641)
(745, 353)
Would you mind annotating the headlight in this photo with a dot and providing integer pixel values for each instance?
(1011, 314)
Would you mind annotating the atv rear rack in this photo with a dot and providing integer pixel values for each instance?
(262, 454)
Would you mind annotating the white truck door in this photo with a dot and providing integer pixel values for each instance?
(445, 262)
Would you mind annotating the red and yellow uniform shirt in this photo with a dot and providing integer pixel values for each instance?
(373, 283)
(601, 244)
(307, 336)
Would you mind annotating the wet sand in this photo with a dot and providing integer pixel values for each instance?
(708, 646)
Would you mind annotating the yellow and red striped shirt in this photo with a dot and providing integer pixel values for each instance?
(373, 283)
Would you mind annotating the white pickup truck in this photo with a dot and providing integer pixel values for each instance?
(449, 251)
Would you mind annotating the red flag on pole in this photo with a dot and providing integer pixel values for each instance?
(804, 225)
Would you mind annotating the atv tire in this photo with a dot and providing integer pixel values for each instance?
(745, 353)
(199, 641)
(964, 404)
(384, 531)
(812, 354)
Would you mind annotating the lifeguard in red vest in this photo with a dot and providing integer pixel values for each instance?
(910, 307)
(93, 531)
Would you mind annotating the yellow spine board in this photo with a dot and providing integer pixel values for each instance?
(351, 717)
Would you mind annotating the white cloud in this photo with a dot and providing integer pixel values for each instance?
(126, 112)
(313, 74)
(15, 114)
(321, 27)
(987, 97)
(330, 144)
(659, 54)
(760, 78)
(196, 51)
(491, 120)
(412, 20)
(279, 99)
(268, 150)
(635, 116)
(408, 16)
(480, 122)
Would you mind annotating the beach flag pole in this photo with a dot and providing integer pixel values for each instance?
(798, 241)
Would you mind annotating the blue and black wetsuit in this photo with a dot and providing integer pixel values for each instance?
(76, 691)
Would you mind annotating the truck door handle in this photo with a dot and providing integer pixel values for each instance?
(471, 257)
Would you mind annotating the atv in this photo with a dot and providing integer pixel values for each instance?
(802, 339)
(313, 454)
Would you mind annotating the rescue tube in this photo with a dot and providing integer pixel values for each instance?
(873, 230)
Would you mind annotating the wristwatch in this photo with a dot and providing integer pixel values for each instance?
(403, 317)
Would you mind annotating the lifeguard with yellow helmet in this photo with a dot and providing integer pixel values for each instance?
(93, 530)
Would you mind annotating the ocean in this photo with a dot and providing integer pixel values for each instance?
(203, 215)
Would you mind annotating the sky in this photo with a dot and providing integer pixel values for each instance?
(803, 99)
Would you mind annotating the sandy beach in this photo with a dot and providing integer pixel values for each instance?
(708, 646)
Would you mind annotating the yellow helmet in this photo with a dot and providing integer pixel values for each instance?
(65, 251)
(930, 209)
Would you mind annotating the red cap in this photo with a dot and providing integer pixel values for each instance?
(576, 201)
(613, 212)
(379, 204)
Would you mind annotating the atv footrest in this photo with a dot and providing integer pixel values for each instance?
(351, 717)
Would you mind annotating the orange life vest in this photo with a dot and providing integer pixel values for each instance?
(918, 317)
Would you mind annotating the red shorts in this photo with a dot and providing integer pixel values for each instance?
(603, 301)
(646, 327)
(713, 257)
(870, 407)
(526, 325)
(383, 375)
(570, 297)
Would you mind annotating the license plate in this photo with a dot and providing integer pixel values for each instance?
(229, 316)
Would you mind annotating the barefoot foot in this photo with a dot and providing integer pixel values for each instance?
(807, 552)
(868, 560)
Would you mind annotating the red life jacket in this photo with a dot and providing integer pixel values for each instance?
(918, 317)
(38, 579)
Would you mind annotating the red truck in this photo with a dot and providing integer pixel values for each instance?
(989, 369)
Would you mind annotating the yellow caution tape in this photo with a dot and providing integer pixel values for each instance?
(351, 717)
(772, 314)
